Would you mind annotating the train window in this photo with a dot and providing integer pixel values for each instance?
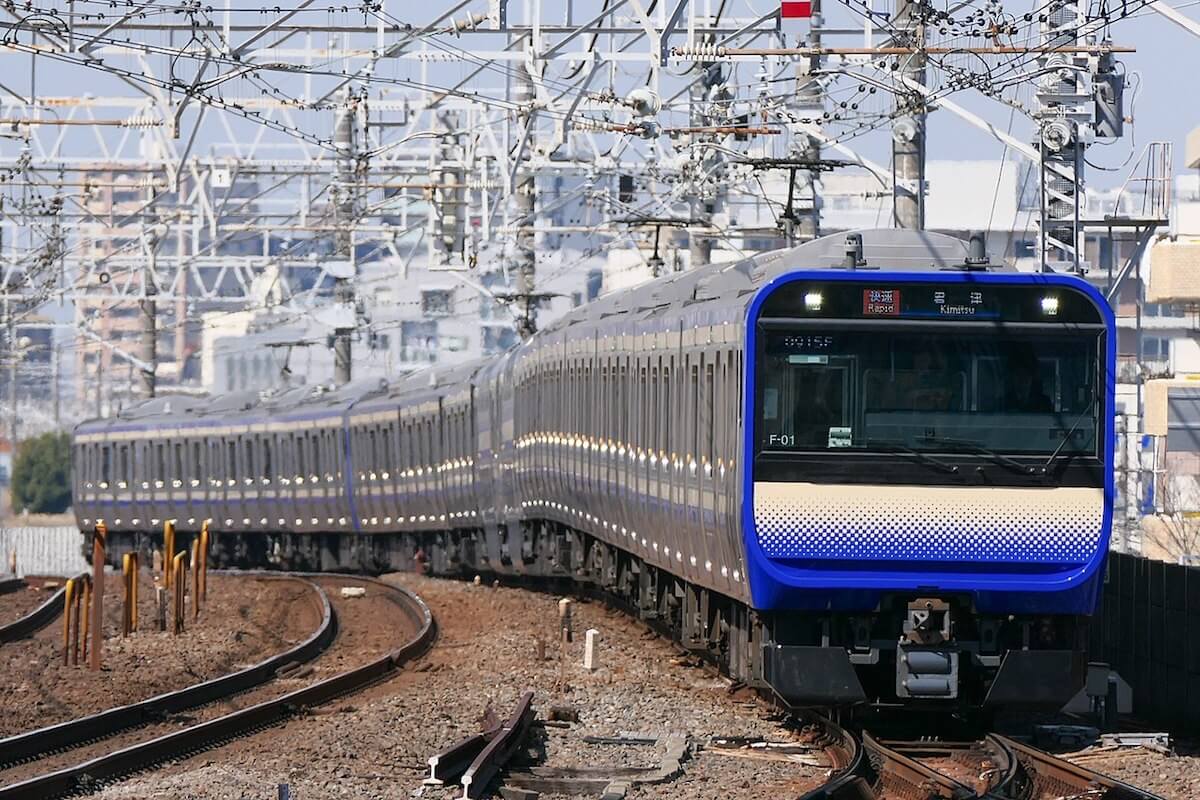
(387, 449)
(178, 461)
(371, 454)
(1013, 391)
(664, 418)
(694, 419)
(160, 462)
(708, 431)
(231, 460)
(316, 454)
(248, 451)
(123, 475)
(197, 466)
(105, 464)
(266, 459)
(301, 461)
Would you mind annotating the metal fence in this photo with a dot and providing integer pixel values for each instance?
(43, 551)
(1148, 629)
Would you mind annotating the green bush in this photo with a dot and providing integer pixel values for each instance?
(41, 479)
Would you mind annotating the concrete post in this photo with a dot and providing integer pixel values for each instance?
(564, 620)
(908, 130)
(591, 654)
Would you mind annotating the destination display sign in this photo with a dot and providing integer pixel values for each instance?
(925, 302)
(951, 301)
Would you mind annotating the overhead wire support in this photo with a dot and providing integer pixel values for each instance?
(346, 207)
(908, 128)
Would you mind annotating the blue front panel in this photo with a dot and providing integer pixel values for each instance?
(812, 545)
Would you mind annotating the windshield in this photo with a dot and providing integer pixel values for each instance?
(1013, 392)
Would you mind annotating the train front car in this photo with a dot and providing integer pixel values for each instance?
(929, 492)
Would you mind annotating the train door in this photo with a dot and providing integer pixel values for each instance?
(269, 484)
(307, 470)
(645, 420)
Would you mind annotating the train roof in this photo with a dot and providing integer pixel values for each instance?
(898, 250)
(733, 282)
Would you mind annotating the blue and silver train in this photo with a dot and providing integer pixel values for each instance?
(875, 473)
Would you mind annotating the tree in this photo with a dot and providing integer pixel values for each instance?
(1175, 530)
(41, 480)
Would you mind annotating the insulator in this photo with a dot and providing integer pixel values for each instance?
(701, 50)
(141, 121)
(469, 24)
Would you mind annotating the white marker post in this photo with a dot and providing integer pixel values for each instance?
(591, 658)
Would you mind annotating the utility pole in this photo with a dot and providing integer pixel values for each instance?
(54, 367)
(148, 343)
(524, 261)
(345, 142)
(701, 208)
(810, 102)
(1066, 105)
(11, 332)
(99, 383)
(449, 196)
(908, 129)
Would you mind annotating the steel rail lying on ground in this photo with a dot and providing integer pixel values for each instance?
(1049, 776)
(499, 750)
(478, 759)
(88, 775)
(38, 743)
(35, 620)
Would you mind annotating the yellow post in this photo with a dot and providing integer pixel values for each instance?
(133, 619)
(68, 600)
(169, 551)
(205, 537)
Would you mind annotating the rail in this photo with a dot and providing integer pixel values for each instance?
(851, 769)
(499, 750)
(38, 743)
(1046, 775)
(199, 737)
(35, 620)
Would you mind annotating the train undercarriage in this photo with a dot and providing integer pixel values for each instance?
(927, 652)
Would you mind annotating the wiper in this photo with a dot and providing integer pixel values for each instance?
(891, 446)
(1074, 427)
(999, 458)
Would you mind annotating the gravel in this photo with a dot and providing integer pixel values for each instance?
(244, 621)
(375, 743)
(18, 603)
(1174, 777)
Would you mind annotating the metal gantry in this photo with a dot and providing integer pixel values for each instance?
(187, 160)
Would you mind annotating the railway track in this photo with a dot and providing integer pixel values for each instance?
(29, 624)
(83, 754)
(995, 768)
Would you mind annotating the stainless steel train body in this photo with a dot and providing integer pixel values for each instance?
(815, 473)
